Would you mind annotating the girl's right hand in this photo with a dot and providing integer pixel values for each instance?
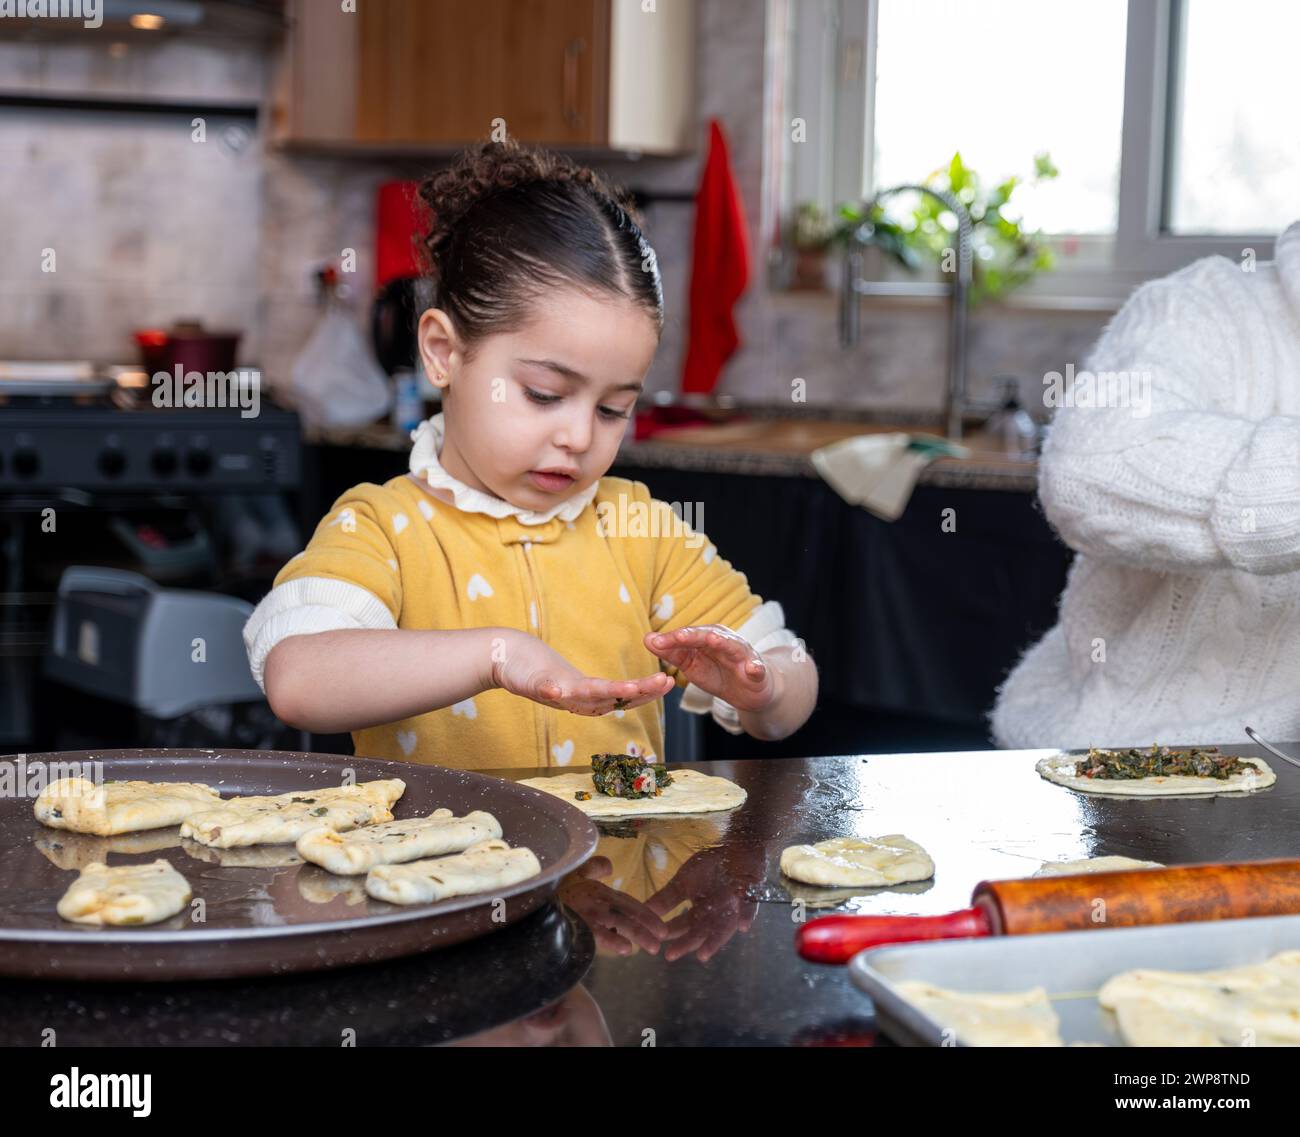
(535, 670)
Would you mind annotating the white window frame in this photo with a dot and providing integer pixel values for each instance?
(840, 37)
(1155, 30)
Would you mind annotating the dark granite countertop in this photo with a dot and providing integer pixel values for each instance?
(573, 973)
(983, 469)
(978, 472)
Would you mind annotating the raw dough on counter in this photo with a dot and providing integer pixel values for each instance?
(105, 810)
(125, 894)
(283, 818)
(844, 862)
(1014, 1018)
(1059, 768)
(394, 842)
(483, 866)
(689, 792)
(1258, 1003)
(819, 896)
(1094, 864)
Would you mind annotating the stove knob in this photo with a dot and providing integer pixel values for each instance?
(26, 462)
(112, 462)
(198, 461)
(163, 460)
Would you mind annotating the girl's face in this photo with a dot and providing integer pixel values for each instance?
(555, 396)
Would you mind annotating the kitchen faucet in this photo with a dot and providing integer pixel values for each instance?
(854, 286)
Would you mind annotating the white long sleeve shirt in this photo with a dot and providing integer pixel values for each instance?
(1180, 621)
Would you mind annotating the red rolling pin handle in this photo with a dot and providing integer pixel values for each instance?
(837, 939)
(1031, 905)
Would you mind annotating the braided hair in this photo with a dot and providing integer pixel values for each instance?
(512, 223)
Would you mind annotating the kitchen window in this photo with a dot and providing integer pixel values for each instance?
(1233, 153)
(1001, 81)
(1171, 121)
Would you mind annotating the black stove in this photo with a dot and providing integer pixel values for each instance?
(89, 443)
(154, 490)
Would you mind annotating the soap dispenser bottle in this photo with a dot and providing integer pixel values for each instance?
(1012, 428)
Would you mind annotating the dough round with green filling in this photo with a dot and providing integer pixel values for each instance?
(1059, 768)
(689, 792)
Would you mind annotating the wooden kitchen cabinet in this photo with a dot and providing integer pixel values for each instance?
(411, 75)
(447, 70)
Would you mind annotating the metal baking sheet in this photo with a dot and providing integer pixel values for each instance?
(267, 912)
(1072, 966)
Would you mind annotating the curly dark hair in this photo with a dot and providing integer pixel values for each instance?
(511, 223)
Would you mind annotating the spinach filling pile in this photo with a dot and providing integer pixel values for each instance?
(627, 775)
(1160, 761)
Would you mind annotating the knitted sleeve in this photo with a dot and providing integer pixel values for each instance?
(347, 577)
(1168, 455)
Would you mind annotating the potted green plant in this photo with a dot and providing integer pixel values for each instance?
(1006, 254)
(814, 233)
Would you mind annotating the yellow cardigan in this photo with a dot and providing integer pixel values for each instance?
(396, 556)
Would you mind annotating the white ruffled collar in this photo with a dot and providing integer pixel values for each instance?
(427, 445)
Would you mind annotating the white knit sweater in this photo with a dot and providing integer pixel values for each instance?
(1180, 621)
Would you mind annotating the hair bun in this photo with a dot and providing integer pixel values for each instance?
(488, 167)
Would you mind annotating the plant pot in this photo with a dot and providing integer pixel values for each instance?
(809, 270)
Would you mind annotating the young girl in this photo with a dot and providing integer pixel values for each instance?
(505, 603)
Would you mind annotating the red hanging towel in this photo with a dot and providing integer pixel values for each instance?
(719, 268)
(400, 218)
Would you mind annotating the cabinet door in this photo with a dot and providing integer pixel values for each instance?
(441, 71)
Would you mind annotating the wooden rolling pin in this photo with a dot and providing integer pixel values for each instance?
(1085, 901)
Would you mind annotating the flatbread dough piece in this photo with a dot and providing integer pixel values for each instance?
(1257, 1003)
(105, 810)
(125, 894)
(690, 792)
(283, 818)
(844, 862)
(1014, 1018)
(1143, 1022)
(394, 842)
(1094, 864)
(1059, 768)
(483, 866)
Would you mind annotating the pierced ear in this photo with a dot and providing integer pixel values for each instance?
(436, 339)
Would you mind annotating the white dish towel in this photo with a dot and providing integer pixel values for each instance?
(879, 471)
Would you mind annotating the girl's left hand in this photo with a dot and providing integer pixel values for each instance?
(720, 662)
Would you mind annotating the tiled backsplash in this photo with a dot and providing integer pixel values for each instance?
(901, 362)
(147, 219)
(116, 221)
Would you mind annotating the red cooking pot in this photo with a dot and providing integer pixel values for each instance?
(188, 344)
